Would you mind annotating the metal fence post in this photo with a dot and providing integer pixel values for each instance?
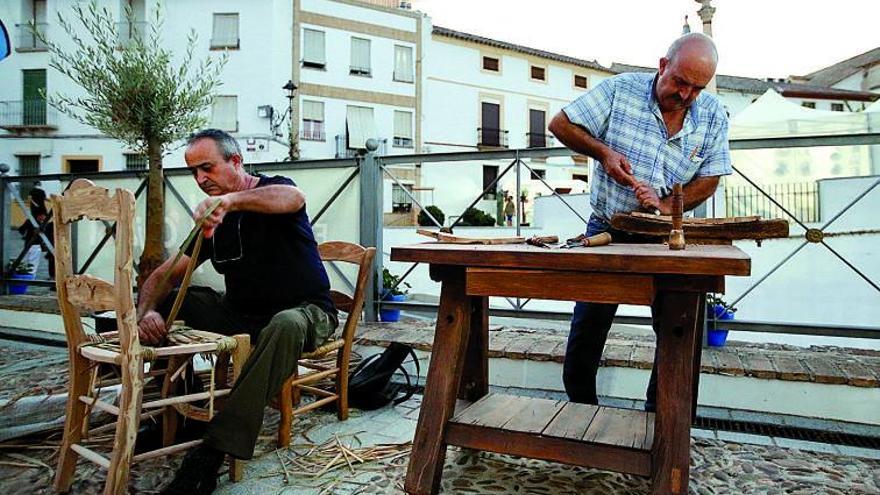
(371, 220)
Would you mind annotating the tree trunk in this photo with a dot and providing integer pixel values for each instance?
(154, 240)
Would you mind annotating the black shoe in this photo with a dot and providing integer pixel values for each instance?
(198, 472)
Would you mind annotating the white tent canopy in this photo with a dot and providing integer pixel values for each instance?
(772, 115)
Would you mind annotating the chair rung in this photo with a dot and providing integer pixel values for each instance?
(165, 450)
(314, 366)
(314, 405)
(314, 376)
(99, 404)
(317, 391)
(110, 426)
(91, 455)
(184, 398)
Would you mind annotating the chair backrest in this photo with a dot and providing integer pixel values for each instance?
(353, 305)
(85, 292)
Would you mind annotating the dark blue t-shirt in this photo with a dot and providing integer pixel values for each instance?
(270, 262)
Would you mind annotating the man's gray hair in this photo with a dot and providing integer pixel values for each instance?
(700, 38)
(225, 142)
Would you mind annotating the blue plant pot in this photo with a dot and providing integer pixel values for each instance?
(390, 315)
(20, 288)
(716, 335)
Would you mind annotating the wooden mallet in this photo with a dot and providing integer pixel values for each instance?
(676, 235)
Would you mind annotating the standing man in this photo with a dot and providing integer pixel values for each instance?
(648, 132)
(259, 238)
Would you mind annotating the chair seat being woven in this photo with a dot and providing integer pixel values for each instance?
(181, 340)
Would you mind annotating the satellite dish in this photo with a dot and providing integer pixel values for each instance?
(5, 46)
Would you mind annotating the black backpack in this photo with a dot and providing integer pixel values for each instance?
(369, 384)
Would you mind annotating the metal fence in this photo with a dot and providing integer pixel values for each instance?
(800, 198)
(368, 167)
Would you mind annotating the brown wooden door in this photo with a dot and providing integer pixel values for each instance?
(537, 124)
(490, 134)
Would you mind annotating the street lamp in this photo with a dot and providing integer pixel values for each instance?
(292, 151)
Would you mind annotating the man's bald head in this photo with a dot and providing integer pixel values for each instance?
(696, 46)
(686, 69)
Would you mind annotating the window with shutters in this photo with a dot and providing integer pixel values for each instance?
(837, 107)
(224, 113)
(403, 64)
(491, 64)
(313, 49)
(313, 121)
(808, 104)
(403, 132)
(135, 161)
(400, 200)
(538, 73)
(360, 57)
(580, 81)
(225, 33)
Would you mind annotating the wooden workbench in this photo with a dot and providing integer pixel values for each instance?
(457, 408)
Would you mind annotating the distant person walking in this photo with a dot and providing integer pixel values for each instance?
(509, 210)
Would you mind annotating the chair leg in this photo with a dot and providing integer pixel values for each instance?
(169, 413)
(342, 386)
(239, 356)
(285, 406)
(126, 426)
(80, 377)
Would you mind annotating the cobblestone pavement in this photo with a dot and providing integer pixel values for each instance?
(27, 465)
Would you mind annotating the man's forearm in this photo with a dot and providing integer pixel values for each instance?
(695, 193)
(152, 293)
(268, 199)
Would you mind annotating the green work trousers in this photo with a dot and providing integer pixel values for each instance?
(277, 342)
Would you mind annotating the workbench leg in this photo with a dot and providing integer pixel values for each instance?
(444, 375)
(698, 352)
(670, 454)
(475, 375)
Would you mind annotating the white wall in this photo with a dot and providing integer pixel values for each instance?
(264, 31)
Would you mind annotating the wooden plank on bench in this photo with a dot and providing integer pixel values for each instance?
(572, 421)
(621, 427)
(535, 416)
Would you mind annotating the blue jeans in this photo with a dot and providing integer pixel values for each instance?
(590, 324)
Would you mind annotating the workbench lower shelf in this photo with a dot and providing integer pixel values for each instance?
(578, 434)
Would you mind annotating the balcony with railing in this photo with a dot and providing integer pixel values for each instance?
(539, 140)
(488, 137)
(28, 41)
(28, 115)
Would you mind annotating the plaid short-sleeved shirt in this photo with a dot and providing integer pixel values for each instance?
(623, 112)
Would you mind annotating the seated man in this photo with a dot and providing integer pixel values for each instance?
(259, 238)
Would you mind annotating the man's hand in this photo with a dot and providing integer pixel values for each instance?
(151, 328)
(619, 168)
(648, 198)
(216, 216)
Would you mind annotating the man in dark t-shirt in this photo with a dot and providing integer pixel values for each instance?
(260, 239)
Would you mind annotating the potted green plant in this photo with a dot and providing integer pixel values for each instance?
(20, 271)
(717, 310)
(392, 290)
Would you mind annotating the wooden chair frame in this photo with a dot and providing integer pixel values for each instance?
(288, 399)
(121, 348)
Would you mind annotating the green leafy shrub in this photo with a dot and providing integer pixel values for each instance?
(425, 220)
(476, 218)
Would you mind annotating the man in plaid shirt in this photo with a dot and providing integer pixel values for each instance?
(648, 131)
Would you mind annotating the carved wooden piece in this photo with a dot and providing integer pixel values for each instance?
(454, 239)
(698, 229)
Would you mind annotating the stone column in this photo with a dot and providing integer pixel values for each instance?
(707, 11)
